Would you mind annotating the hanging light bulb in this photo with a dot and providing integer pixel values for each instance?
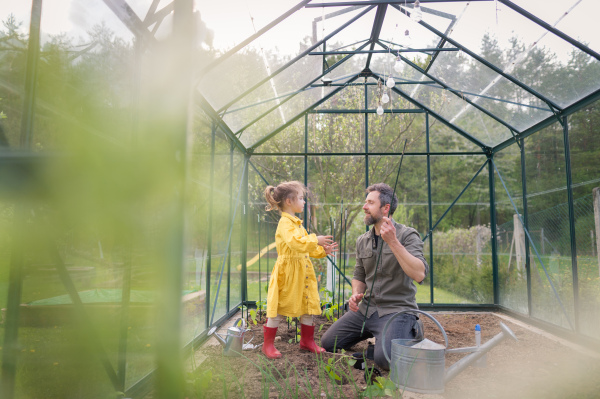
(407, 41)
(390, 82)
(385, 98)
(398, 65)
(417, 13)
(379, 110)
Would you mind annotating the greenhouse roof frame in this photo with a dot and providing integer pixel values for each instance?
(553, 109)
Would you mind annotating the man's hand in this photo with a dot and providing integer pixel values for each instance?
(329, 249)
(325, 240)
(354, 301)
(388, 231)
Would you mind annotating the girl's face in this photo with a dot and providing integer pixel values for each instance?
(296, 203)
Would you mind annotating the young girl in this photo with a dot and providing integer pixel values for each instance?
(293, 287)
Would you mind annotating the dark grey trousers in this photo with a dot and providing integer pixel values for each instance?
(345, 333)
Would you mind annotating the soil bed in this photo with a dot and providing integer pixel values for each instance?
(537, 366)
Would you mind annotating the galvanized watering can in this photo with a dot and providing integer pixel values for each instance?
(234, 341)
(420, 365)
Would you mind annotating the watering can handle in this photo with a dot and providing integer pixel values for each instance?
(240, 321)
(409, 311)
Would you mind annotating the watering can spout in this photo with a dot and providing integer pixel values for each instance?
(213, 332)
(463, 363)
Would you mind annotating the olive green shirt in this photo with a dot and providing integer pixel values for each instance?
(393, 291)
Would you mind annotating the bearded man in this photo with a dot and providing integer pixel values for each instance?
(401, 263)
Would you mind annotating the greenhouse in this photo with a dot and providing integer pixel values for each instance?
(137, 138)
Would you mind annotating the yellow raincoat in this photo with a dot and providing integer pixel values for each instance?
(293, 289)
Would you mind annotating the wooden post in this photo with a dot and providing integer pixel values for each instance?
(519, 237)
(596, 196)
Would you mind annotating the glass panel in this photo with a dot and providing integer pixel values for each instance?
(272, 93)
(342, 133)
(333, 180)
(246, 17)
(290, 139)
(577, 20)
(444, 139)
(225, 256)
(491, 91)
(266, 55)
(388, 132)
(399, 30)
(349, 68)
(424, 289)
(457, 111)
(350, 97)
(546, 204)
(353, 35)
(283, 114)
(586, 181)
(572, 77)
(84, 83)
(512, 275)
(462, 240)
(543, 61)
(13, 58)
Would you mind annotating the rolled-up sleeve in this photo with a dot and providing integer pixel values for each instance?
(414, 245)
(359, 269)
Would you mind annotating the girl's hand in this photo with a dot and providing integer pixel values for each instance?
(329, 249)
(324, 240)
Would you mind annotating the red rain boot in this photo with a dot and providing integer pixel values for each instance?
(268, 348)
(307, 339)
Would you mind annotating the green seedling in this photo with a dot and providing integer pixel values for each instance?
(381, 387)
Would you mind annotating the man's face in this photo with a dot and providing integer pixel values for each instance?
(373, 210)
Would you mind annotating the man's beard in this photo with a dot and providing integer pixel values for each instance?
(370, 219)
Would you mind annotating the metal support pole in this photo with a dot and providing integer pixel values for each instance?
(210, 222)
(227, 298)
(574, 268)
(494, 229)
(11, 350)
(306, 223)
(244, 230)
(430, 211)
(366, 141)
(526, 222)
(33, 50)
(259, 256)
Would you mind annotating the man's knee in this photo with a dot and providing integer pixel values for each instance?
(380, 359)
(332, 340)
(328, 341)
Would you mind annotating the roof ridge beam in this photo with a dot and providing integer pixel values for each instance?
(377, 24)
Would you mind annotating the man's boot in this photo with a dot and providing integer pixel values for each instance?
(268, 348)
(307, 339)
